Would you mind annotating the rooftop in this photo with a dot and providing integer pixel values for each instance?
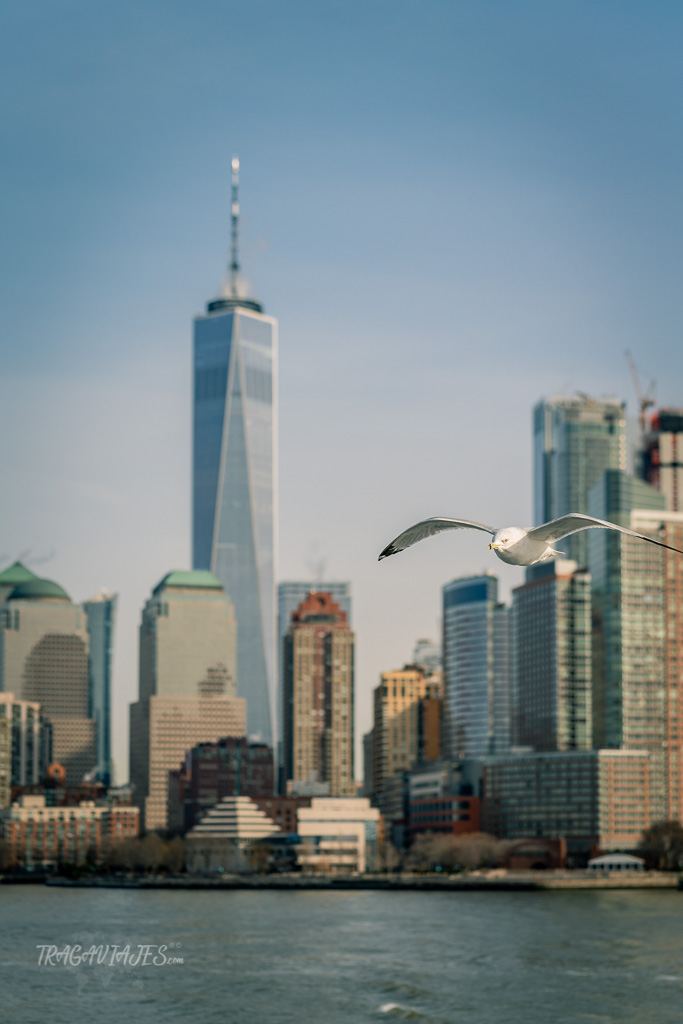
(192, 579)
(15, 574)
(36, 590)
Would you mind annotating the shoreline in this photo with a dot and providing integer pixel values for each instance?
(517, 882)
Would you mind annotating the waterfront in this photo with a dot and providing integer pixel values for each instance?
(346, 957)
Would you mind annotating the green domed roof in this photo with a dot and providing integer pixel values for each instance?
(15, 574)
(35, 589)
(195, 579)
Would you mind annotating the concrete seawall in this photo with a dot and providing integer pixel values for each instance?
(517, 882)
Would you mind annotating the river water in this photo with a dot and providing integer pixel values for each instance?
(343, 957)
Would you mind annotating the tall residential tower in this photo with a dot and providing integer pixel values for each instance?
(575, 440)
(234, 476)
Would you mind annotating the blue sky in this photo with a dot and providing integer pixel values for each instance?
(453, 209)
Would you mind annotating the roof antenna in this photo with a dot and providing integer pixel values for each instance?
(235, 216)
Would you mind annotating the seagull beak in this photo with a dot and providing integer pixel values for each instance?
(492, 545)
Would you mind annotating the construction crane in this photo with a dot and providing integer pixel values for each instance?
(644, 400)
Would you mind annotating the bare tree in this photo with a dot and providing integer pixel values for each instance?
(473, 850)
(663, 842)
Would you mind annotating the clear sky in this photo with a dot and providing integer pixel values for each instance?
(452, 208)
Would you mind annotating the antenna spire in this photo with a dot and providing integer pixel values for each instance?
(235, 220)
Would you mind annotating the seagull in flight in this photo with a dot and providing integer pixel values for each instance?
(514, 544)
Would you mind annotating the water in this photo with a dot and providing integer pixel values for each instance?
(347, 957)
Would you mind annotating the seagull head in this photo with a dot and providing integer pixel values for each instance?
(506, 537)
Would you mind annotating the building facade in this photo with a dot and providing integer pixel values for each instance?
(444, 797)
(234, 766)
(591, 798)
(638, 635)
(552, 622)
(187, 684)
(37, 835)
(29, 738)
(477, 669)
(661, 459)
(338, 836)
(44, 659)
(407, 726)
(575, 440)
(234, 484)
(319, 697)
(100, 617)
(290, 594)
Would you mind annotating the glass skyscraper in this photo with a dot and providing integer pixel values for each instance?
(100, 614)
(575, 440)
(476, 668)
(234, 489)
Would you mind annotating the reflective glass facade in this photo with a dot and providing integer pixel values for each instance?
(234, 486)
(575, 440)
(552, 615)
(100, 613)
(477, 670)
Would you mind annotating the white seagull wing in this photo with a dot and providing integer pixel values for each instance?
(429, 527)
(557, 529)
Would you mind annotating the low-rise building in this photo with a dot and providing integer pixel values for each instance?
(224, 835)
(444, 797)
(338, 835)
(39, 836)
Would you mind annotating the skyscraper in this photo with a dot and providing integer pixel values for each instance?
(552, 619)
(407, 720)
(476, 668)
(187, 684)
(44, 659)
(319, 704)
(638, 635)
(661, 459)
(234, 477)
(30, 740)
(290, 594)
(575, 440)
(100, 614)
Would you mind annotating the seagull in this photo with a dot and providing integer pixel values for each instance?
(514, 544)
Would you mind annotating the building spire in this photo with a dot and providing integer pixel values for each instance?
(235, 222)
(230, 297)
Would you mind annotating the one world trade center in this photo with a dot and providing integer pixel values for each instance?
(234, 476)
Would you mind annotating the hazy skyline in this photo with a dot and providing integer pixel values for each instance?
(452, 210)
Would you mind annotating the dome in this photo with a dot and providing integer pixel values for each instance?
(15, 574)
(37, 589)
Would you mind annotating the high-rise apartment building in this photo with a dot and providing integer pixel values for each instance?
(187, 684)
(100, 615)
(319, 696)
(30, 740)
(552, 621)
(477, 670)
(407, 725)
(234, 478)
(44, 660)
(638, 635)
(575, 440)
(290, 594)
(661, 458)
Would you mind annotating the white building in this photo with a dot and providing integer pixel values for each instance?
(338, 834)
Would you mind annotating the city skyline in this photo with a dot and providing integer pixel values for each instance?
(537, 246)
